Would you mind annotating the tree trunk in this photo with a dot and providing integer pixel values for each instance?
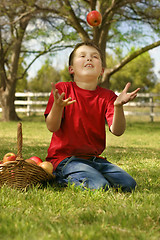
(7, 98)
(8, 79)
(105, 83)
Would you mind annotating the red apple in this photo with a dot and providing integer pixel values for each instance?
(31, 161)
(36, 159)
(94, 18)
(47, 166)
(9, 157)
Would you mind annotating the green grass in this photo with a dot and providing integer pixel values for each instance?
(69, 213)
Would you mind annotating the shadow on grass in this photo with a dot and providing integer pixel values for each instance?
(134, 153)
(142, 163)
(33, 118)
(144, 126)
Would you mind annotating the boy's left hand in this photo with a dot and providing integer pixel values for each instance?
(125, 97)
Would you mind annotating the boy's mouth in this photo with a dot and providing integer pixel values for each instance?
(89, 65)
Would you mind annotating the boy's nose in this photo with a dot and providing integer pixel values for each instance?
(89, 59)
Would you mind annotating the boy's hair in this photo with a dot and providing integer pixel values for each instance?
(86, 43)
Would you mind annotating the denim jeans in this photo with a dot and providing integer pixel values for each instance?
(95, 173)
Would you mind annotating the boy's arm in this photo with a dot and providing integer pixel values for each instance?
(54, 118)
(119, 123)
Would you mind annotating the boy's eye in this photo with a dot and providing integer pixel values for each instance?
(95, 56)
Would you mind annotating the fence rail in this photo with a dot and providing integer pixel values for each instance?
(36, 103)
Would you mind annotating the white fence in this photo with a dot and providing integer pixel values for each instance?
(144, 105)
(32, 102)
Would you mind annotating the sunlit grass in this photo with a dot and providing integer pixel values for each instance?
(69, 213)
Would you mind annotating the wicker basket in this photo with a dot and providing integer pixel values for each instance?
(21, 174)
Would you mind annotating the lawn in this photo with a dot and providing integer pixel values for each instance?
(69, 213)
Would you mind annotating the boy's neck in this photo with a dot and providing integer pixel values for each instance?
(86, 86)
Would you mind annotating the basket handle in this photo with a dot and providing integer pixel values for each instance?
(19, 141)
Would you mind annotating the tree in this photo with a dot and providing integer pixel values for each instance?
(21, 22)
(54, 24)
(42, 82)
(139, 72)
(157, 88)
(21, 84)
(65, 76)
(124, 22)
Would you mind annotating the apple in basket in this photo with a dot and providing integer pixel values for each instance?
(47, 166)
(36, 159)
(31, 161)
(9, 157)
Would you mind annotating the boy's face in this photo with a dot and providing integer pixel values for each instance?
(86, 63)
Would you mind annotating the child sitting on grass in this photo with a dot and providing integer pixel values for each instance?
(76, 113)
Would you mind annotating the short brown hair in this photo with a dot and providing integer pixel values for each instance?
(86, 43)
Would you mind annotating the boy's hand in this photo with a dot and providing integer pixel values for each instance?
(125, 97)
(59, 99)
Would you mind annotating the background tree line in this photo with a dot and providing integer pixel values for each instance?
(32, 28)
(139, 72)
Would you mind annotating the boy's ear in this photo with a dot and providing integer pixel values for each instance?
(102, 71)
(71, 71)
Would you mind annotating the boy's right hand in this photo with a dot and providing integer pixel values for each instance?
(59, 99)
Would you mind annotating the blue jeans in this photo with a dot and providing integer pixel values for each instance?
(95, 173)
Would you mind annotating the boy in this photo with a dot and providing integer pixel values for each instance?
(76, 114)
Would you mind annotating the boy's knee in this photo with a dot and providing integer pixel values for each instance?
(96, 183)
(129, 185)
(102, 183)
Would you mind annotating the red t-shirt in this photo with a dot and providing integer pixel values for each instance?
(82, 130)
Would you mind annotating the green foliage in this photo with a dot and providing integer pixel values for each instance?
(156, 88)
(71, 214)
(65, 76)
(21, 84)
(139, 72)
(42, 82)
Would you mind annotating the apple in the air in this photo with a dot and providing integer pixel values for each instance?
(36, 159)
(47, 166)
(9, 157)
(94, 18)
